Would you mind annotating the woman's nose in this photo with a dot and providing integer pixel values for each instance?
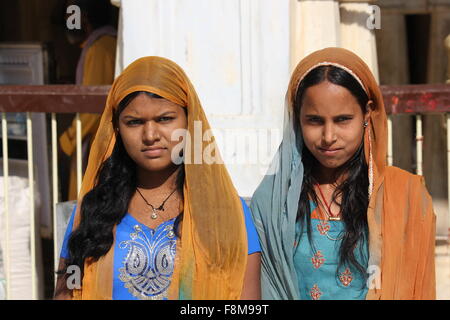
(329, 134)
(151, 133)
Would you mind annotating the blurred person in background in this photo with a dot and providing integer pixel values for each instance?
(97, 39)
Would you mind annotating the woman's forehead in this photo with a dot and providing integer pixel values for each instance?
(329, 97)
(326, 63)
(145, 103)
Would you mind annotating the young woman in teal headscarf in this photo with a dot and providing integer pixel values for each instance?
(334, 221)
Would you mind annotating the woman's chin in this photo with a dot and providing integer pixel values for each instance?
(331, 165)
(156, 165)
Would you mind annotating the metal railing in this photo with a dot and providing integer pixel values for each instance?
(415, 100)
(48, 99)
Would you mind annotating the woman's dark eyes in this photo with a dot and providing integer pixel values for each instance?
(320, 121)
(315, 120)
(164, 119)
(138, 121)
(134, 122)
(342, 119)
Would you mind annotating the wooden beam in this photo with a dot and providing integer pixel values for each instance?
(53, 98)
(415, 99)
(405, 99)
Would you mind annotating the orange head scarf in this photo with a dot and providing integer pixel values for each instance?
(212, 252)
(400, 213)
(375, 138)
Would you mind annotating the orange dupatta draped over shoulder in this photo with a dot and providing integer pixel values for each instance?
(400, 214)
(212, 253)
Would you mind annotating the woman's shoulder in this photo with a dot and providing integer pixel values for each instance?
(400, 175)
(398, 179)
(410, 188)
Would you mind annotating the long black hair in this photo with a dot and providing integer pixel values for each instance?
(354, 189)
(106, 204)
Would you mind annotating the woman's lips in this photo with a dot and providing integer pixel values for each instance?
(153, 152)
(329, 152)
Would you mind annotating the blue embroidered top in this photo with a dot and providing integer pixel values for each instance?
(318, 277)
(144, 257)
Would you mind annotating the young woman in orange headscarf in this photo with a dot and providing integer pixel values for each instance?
(334, 221)
(155, 219)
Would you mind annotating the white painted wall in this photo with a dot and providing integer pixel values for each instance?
(236, 53)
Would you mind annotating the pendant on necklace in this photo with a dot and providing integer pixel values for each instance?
(154, 215)
(334, 218)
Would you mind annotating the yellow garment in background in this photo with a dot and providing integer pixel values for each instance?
(98, 69)
(211, 256)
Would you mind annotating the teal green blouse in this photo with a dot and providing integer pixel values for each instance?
(317, 274)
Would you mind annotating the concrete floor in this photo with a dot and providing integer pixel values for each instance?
(443, 271)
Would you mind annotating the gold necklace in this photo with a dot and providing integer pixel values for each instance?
(324, 226)
(329, 213)
(154, 214)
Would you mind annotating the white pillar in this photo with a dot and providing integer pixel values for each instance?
(357, 31)
(314, 26)
(235, 52)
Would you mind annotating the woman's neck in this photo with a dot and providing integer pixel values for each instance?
(328, 176)
(166, 179)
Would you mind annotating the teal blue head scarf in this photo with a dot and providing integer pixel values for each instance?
(274, 207)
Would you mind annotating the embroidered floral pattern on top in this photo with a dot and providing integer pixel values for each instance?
(323, 227)
(317, 260)
(315, 292)
(148, 267)
(346, 277)
(317, 266)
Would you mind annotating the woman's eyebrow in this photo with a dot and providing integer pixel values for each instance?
(166, 113)
(312, 116)
(130, 117)
(343, 115)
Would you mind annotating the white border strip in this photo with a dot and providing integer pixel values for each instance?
(419, 144)
(32, 201)
(55, 191)
(7, 253)
(390, 156)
